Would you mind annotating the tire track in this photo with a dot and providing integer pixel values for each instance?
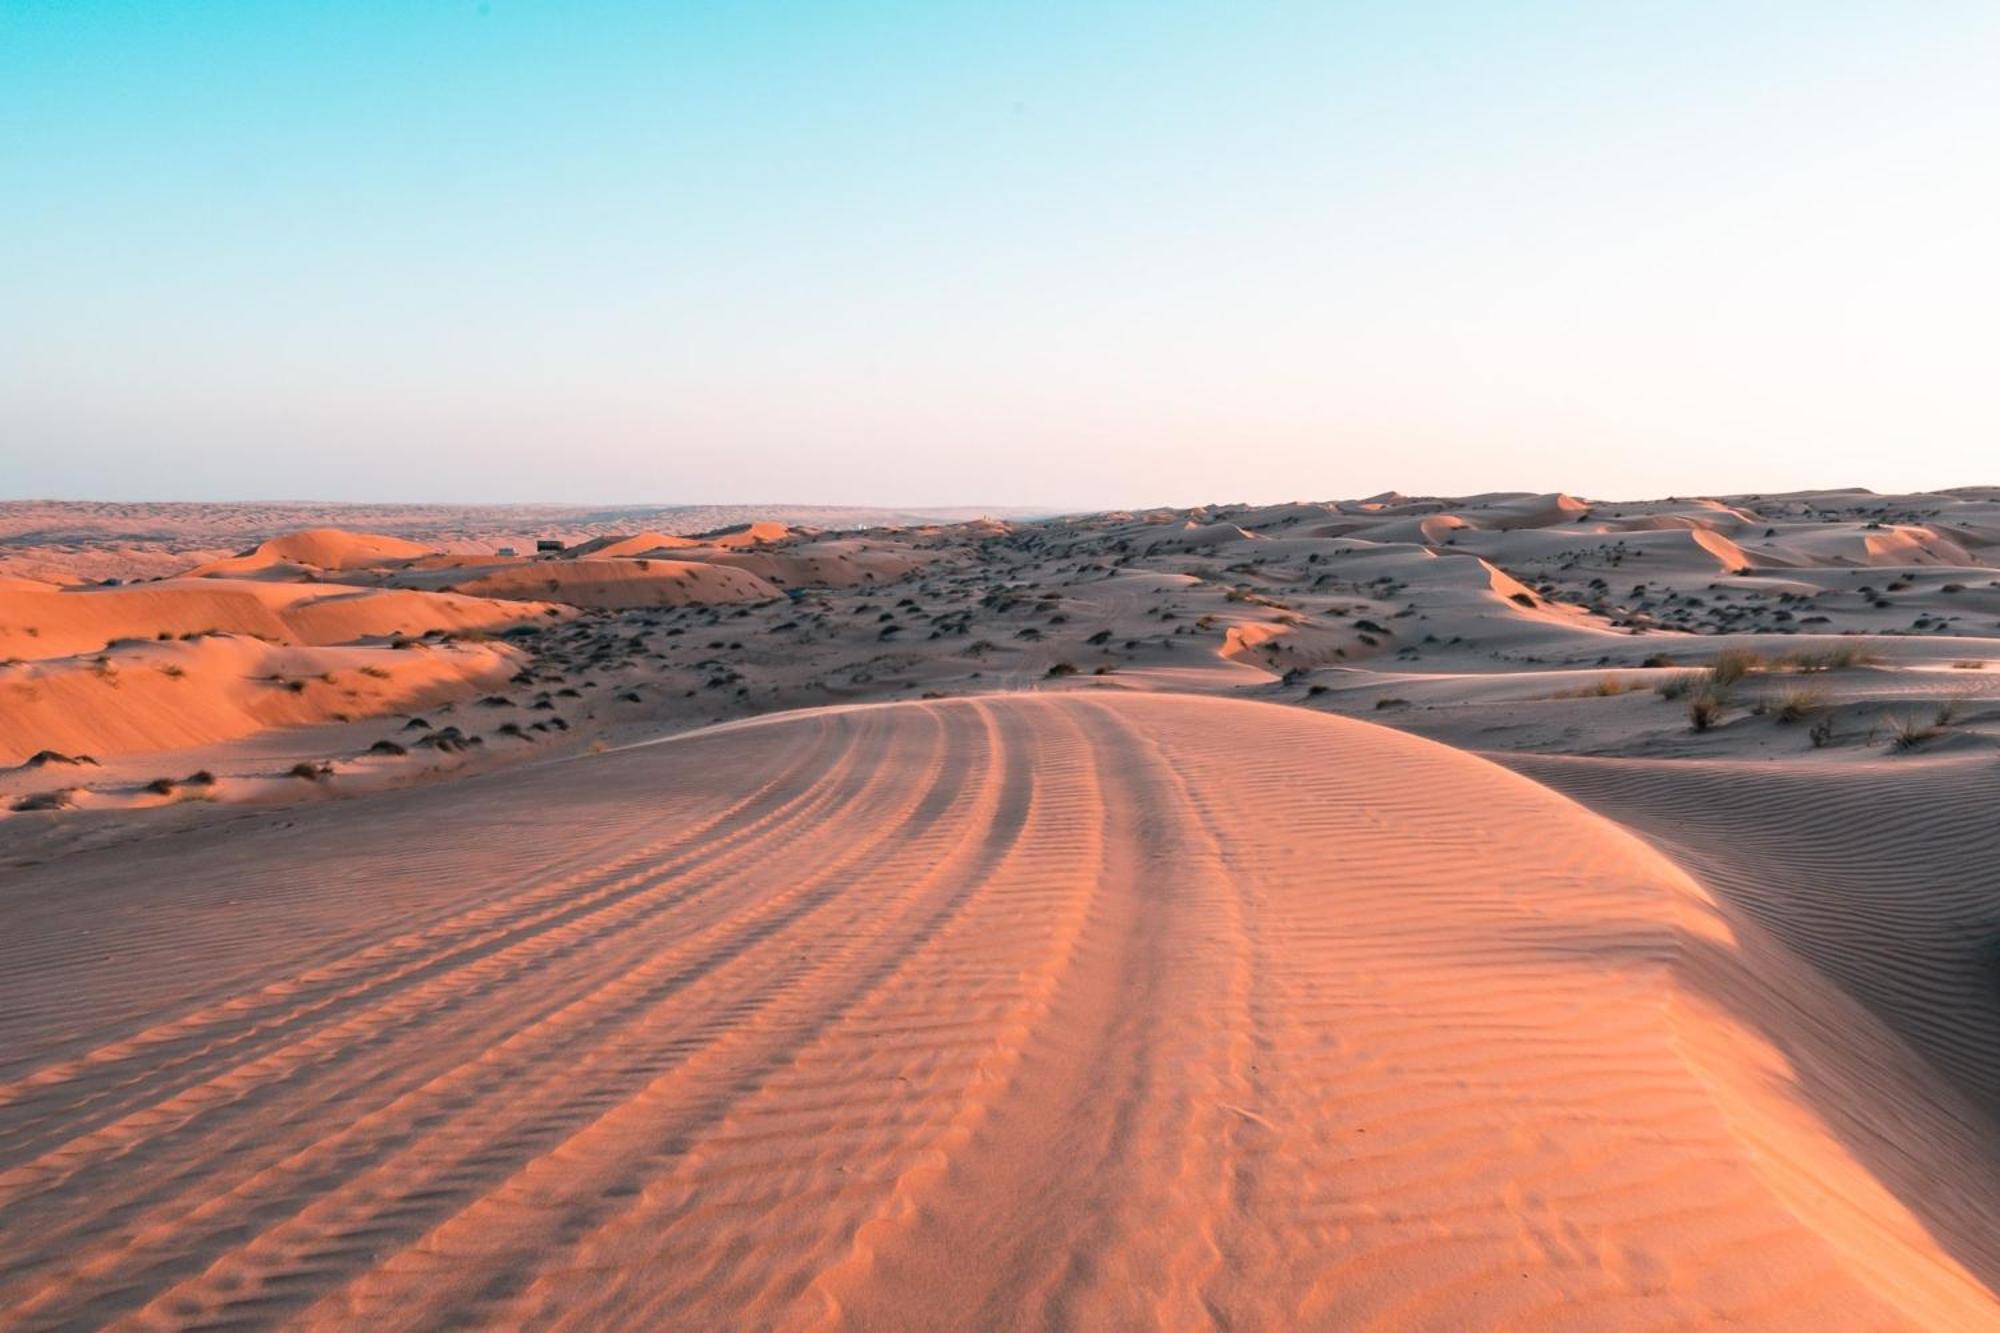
(228, 1030)
(523, 1103)
(561, 937)
(677, 1121)
(1053, 1010)
(289, 1160)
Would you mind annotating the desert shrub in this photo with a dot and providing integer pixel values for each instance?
(1705, 708)
(1733, 664)
(1831, 659)
(1062, 669)
(1604, 687)
(1821, 731)
(43, 758)
(1797, 705)
(1681, 684)
(1907, 733)
(160, 787)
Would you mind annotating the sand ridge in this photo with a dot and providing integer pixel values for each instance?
(1271, 1018)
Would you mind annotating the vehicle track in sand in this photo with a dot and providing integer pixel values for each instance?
(1070, 1009)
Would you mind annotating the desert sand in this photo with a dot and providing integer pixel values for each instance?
(1507, 911)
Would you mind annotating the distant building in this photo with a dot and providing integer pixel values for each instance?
(506, 550)
(548, 546)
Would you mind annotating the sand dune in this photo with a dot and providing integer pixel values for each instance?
(183, 662)
(156, 696)
(46, 622)
(822, 564)
(607, 584)
(66, 540)
(317, 548)
(1010, 924)
(1885, 880)
(614, 548)
(761, 532)
(1061, 1011)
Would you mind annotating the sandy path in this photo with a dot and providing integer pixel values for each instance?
(1038, 1011)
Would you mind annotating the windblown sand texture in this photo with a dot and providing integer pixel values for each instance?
(1322, 915)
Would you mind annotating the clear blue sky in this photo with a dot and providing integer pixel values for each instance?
(1073, 254)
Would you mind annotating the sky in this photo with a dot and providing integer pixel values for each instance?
(1068, 255)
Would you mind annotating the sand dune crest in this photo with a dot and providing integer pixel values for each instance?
(1072, 1010)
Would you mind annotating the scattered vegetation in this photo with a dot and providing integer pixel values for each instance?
(1797, 705)
(1681, 684)
(43, 758)
(1705, 708)
(1604, 687)
(1831, 659)
(1733, 664)
(1907, 732)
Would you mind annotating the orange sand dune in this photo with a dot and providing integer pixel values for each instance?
(609, 584)
(1071, 1010)
(48, 622)
(157, 696)
(319, 548)
(612, 548)
(825, 564)
(743, 535)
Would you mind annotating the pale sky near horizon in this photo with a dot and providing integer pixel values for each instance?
(1071, 255)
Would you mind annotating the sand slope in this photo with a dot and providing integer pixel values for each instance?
(42, 622)
(316, 548)
(1079, 1010)
(157, 696)
(603, 584)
